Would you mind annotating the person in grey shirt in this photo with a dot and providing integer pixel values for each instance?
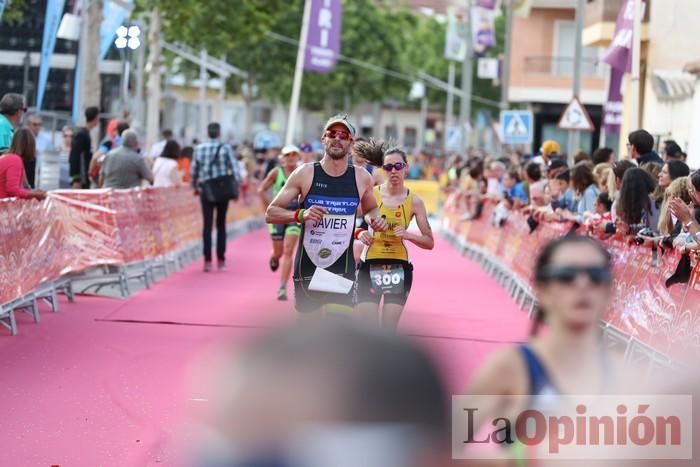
(124, 167)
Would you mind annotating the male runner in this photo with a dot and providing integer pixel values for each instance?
(331, 192)
(284, 236)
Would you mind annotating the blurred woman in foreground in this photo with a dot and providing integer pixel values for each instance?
(573, 281)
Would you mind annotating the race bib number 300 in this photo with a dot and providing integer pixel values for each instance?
(387, 278)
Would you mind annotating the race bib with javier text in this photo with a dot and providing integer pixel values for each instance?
(328, 239)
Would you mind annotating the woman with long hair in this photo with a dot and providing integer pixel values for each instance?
(586, 190)
(667, 189)
(602, 172)
(165, 167)
(669, 226)
(635, 208)
(13, 179)
(357, 154)
(385, 271)
(615, 176)
(573, 285)
(688, 214)
(670, 171)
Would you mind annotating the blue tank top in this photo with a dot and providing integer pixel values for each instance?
(328, 244)
(539, 379)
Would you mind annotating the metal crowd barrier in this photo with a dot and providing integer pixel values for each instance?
(99, 238)
(633, 350)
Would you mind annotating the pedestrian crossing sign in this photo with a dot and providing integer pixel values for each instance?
(517, 126)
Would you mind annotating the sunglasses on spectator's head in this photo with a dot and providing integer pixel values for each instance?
(598, 275)
(398, 166)
(340, 134)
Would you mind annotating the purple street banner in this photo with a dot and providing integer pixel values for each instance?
(619, 55)
(488, 4)
(483, 30)
(323, 41)
(612, 114)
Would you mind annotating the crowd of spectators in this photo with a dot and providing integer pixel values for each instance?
(647, 198)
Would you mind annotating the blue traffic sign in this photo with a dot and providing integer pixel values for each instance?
(517, 126)
(266, 140)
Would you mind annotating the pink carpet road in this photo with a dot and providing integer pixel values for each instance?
(110, 382)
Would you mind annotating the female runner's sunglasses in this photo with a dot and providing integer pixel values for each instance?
(598, 275)
(398, 166)
(340, 134)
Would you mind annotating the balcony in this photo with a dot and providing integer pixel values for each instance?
(562, 66)
(599, 21)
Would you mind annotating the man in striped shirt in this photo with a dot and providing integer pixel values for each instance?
(205, 166)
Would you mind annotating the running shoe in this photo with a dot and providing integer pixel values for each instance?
(207, 266)
(221, 265)
(274, 264)
(282, 294)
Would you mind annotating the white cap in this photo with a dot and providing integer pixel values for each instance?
(289, 149)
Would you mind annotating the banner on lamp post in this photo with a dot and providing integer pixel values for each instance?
(488, 4)
(114, 16)
(323, 42)
(612, 111)
(483, 30)
(52, 19)
(619, 54)
(455, 44)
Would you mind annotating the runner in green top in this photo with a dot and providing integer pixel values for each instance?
(284, 236)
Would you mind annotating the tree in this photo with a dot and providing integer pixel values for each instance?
(14, 11)
(378, 33)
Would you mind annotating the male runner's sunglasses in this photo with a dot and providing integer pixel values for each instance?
(398, 166)
(340, 134)
(598, 275)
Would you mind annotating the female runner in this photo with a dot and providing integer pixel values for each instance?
(385, 270)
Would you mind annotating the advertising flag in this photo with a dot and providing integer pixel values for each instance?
(323, 41)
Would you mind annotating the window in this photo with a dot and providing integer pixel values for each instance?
(262, 115)
(409, 137)
(563, 53)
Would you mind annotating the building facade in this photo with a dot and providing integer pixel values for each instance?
(542, 64)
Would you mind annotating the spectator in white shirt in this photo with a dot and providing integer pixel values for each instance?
(165, 168)
(158, 147)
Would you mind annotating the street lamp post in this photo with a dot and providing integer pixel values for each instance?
(128, 39)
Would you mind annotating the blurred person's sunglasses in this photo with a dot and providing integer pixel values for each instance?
(306, 148)
(598, 275)
(398, 166)
(339, 134)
